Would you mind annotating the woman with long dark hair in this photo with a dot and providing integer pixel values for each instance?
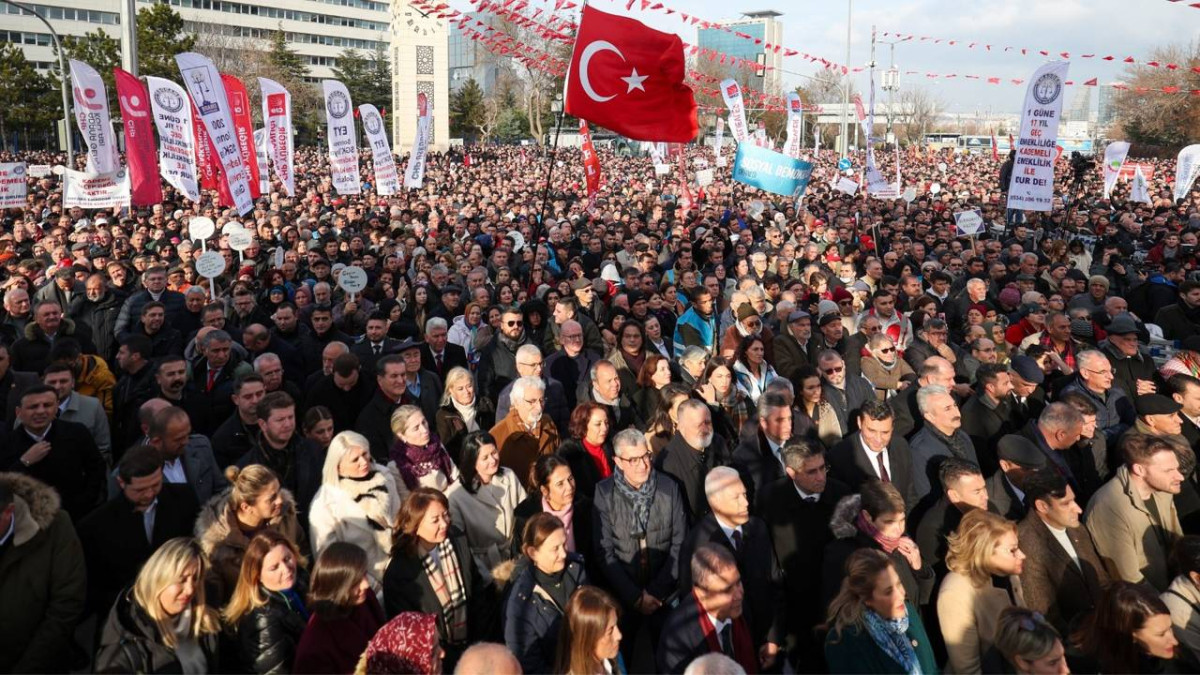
(630, 353)
(661, 426)
(1129, 632)
(750, 367)
(557, 495)
(816, 418)
(730, 406)
(483, 502)
(654, 376)
(345, 613)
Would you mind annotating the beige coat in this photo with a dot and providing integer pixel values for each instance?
(1121, 528)
(887, 382)
(968, 617)
(1183, 599)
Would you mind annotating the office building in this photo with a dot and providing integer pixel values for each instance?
(1080, 109)
(469, 59)
(762, 25)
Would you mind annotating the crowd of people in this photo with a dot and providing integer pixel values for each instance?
(665, 429)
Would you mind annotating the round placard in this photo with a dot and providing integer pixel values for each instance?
(201, 228)
(240, 240)
(353, 279)
(210, 264)
(935, 188)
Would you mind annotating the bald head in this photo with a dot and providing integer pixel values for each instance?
(937, 370)
(488, 657)
(147, 412)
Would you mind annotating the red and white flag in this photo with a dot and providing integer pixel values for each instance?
(243, 126)
(629, 78)
(146, 187)
(91, 114)
(277, 121)
(591, 163)
(176, 138)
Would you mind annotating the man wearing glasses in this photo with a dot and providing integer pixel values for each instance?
(531, 364)
(642, 524)
(498, 358)
(845, 392)
(1114, 411)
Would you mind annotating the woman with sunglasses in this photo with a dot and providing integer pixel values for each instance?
(884, 368)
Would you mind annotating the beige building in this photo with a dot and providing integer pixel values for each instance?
(420, 65)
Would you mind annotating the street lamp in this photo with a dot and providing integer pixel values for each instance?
(845, 131)
(891, 78)
(62, 80)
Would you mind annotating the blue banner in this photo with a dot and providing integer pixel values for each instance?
(771, 171)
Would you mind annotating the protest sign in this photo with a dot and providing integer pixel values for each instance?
(12, 185)
(771, 171)
(96, 191)
(969, 222)
(1032, 184)
(846, 185)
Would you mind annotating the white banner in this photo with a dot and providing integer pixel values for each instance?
(91, 114)
(1186, 167)
(277, 120)
(1140, 191)
(262, 148)
(969, 222)
(1114, 159)
(387, 181)
(414, 173)
(176, 144)
(846, 185)
(720, 134)
(103, 191)
(732, 93)
(203, 82)
(12, 185)
(39, 170)
(1032, 185)
(795, 123)
(339, 131)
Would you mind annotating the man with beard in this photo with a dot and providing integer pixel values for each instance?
(572, 363)
(164, 339)
(99, 307)
(525, 433)
(234, 437)
(295, 460)
(846, 393)
(135, 385)
(498, 358)
(697, 326)
(170, 378)
(691, 453)
(986, 414)
(941, 437)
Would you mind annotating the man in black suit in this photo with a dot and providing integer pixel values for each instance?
(295, 460)
(985, 415)
(375, 420)
(933, 370)
(12, 383)
(121, 534)
(1185, 389)
(963, 488)
(60, 454)
(375, 343)
(1028, 398)
(797, 510)
(691, 453)
(730, 526)
(344, 392)
(874, 451)
(758, 455)
(213, 375)
(1018, 457)
(422, 388)
(438, 355)
(711, 617)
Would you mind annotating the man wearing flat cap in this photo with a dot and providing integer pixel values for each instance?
(1018, 456)
(1134, 370)
(1028, 398)
(585, 295)
(791, 346)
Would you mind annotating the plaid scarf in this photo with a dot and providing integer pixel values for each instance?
(441, 566)
(1068, 354)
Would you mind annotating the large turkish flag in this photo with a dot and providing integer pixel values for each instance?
(629, 78)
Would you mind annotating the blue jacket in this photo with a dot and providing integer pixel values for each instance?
(694, 330)
(531, 617)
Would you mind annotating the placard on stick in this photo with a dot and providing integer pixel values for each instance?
(353, 280)
(202, 228)
(210, 265)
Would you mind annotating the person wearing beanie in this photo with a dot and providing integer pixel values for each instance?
(1009, 299)
(749, 322)
(1093, 299)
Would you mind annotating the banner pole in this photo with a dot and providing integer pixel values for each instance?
(549, 173)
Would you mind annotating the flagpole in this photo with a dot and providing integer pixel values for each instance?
(556, 103)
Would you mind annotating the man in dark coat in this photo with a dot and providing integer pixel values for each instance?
(61, 454)
(12, 383)
(498, 358)
(603, 385)
(295, 460)
(797, 510)
(214, 373)
(236, 434)
(985, 415)
(344, 392)
(171, 385)
(962, 488)
(422, 387)
(1063, 577)
(121, 534)
(1018, 457)
(845, 392)
(375, 420)
(791, 346)
(691, 453)
(438, 354)
(1028, 398)
(874, 451)
(1182, 319)
(933, 370)
(758, 454)
(31, 353)
(571, 364)
(1133, 368)
(288, 329)
(135, 386)
(164, 339)
(375, 343)
(154, 288)
(258, 340)
(940, 439)
(99, 308)
(1057, 433)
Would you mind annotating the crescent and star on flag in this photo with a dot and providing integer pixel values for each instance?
(632, 81)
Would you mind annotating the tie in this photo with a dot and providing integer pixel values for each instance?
(811, 500)
(212, 377)
(378, 349)
(438, 361)
(737, 540)
(883, 472)
(727, 639)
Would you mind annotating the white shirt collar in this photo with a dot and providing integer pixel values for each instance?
(718, 625)
(804, 495)
(727, 529)
(38, 438)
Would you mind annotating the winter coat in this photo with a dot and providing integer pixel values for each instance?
(130, 642)
(855, 651)
(1054, 584)
(968, 616)
(335, 645)
(1177, 321)
(928, 452)
(223, 542)
(453, 430)
(131, 311)
(95, 379)
(74, 467)
(688, 467)
(486, 517)
(532, 619)
(790, 357)
(406, 588)
(918, 584)
(32, 352)
(621, 549)
(887, 382)
(268, 635)
(1124, 532)
(497, 366)
(518, 448)
(43, 582)
(101, 315)
(337, 514)
(1127, 370)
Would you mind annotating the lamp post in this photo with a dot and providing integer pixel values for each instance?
(62, 80)
(845, 130)
(891, 78)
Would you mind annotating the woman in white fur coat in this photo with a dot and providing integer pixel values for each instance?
(357, 503)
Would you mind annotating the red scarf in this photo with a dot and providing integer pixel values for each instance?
(596, 452)
(743, 644)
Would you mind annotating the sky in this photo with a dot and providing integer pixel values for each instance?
(1118, 27)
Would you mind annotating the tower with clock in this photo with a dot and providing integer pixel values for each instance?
(420, 65)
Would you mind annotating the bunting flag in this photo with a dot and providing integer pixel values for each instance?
(176, 137)
(387, 181)
(146, 188)
(1187, 165)
(414, 173)
(243, 126)
(91, 114)
(591, 163)
(339, 133)
(277, 121)
(203, 82)
(1114, 159)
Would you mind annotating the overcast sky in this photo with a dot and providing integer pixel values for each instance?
(1118, 27)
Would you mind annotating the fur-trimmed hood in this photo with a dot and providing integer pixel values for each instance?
(216, 526)
(36, 505)
(841, 523)
(34, 331)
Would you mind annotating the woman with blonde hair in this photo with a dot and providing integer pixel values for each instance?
(418, 457)
(161, 623)
(253, 502)
(463, 411)
(357, 503)
(984, 559)
(589, 640)
(1029, 644)
(267, 608)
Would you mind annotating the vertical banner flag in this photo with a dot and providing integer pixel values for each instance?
(720, 134)
(91, 114)
(176, 141)
(13, 187)
(414, 173)
(861, 114)
(817, 139)
(387, 180)
(795, 120)
(277, 119)
(1032, 185)
(591, 163)
(339, 130)
(206, 162)
(243, 128)
(732, 93)
(203, 82)
(146, 187)
(1114, 159)
(1140, 191)
(686, 201)
(261, 149)
(1186, 167)
(995, 150)
(760, 136)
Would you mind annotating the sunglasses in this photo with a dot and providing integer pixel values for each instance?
(831, 371)
(887, 350)
(511, 324)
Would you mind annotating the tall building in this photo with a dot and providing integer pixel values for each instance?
(1080, 109)
(471, 60)
(420, 65)
(762, 25)
(318, 30)
(1108, 109)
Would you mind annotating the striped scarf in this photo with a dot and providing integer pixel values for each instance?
(441, 566)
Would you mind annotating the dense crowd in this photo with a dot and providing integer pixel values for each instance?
(665, 429)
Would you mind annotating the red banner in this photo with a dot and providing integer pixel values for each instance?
(243, 127)
(140, 154)
(211, 176)
(591, 163)
(1128, 169)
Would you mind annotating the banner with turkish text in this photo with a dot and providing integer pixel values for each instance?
(277, 120)
(738, 126)
(795, 125)
(204, 83)
(339, 132)
(387, 180)
(146, 187)
(771, 171)
(96, 191)
(1114, 158)
(1032, 184)
(13, 186)
(206, 161)
(414, 173)
(720, 134)
(243, 127)
(1187, 165)
(91, 114)
(591, 163)
(176, 138)
(262, 149)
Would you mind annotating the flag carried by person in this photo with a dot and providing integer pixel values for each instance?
(414, 173)
(1114, 159)
(591, 163)
(343, 144)
(277, 121)
(204, 83)
(139, 139)
(1140, 192)
(176, 140)
(387, 180)
(243, 126)
(628, 78)
(91, 114)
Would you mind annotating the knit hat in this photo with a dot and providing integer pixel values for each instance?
(840, 293)
(1081, 329)
(1010, 297)
(1099, 279)
(745, 311)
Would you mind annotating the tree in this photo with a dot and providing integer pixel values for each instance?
(29, 105)
(161, 36)
(368, 79)
(287, 64)
(919, 110)
(97, 49)
(466, 109)
(1153, 116)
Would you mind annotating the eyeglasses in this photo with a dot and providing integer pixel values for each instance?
(640, 459)
(512, 324)
(754, 324)
(831, 371)
(1106, 371)
(531, 365)
(572, 337)
(887, 350)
